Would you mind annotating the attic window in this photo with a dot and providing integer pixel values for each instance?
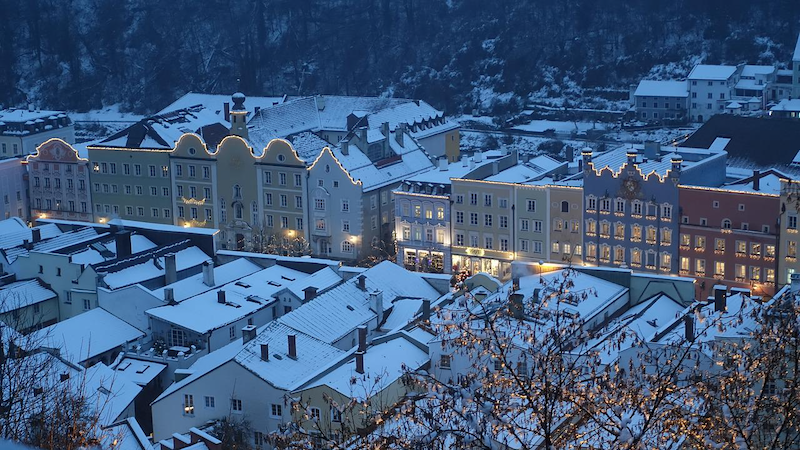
(142, 370)
(350, 308)
(103, 390)
(192, 150)
(242, 284)
(277, 356)
(273, 283)
(124, 366)
(287, 278)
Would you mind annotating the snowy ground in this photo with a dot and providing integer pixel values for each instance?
(560, 127)
(472, 141)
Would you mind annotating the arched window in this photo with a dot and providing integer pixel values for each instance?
(726, 224)
(237, 191)
(564, 206)
(237, 208)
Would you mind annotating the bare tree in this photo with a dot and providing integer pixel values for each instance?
(45, 400)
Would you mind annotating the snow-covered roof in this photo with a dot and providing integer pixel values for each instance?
(614, 159)
(384, 364)
(283, 120)
(106, 251)
(24, 115)
(321, 280)
(55, 243)
(458, 169)
(796, 55)
(216, 102)
(138, 371)
(339, 311)
(194, 285)
(412, 160)
(126, 434)
(423, 119)
(308, 145)
(280, 370)
(11, 237)
(334, 109)
(161, 131)
(402, 313)
(11, 225)
(769, 183)
(21, 294)
(737, 321)
(87, 335)
(711, 72)
(152, 268)
(751, 70)
(653, 88)
(750, 85)
(112, 393)
(601, 292)
(792, 105)
(639, 323)
(203, 313)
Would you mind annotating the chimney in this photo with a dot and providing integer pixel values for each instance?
(426, 310)
(472, 163)
(515, 306)
(362, 282)
(756, 181)
(795, 283)
(36, 235)
(227, 108)
(495, 168)
(651, 150)
(376, 303)
(536, 293)
(362, 136)
(123, 242)
(362, 338)
(265, 352)
(399, 132)
(515, 284)
(720, 300)
(345, 144)
(310, 292)
(170, 269)
(169, 296)
(221, 297)
(688, 324)
(360, 362)
(208, 273)
(478, 156)
(248, 333)
(256, 110)
(443, 164)
(570, 153)
(385, 129)
(292, 342)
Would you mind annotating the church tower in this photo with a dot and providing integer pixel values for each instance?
(239, 116)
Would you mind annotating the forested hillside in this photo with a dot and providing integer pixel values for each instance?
(457, 54)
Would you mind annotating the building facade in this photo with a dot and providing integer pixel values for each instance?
(58, 182)
(13, 189)
(661, 100)
(789, 238)
(566, 223)
(730, 237)
(710, 90)
(21, 130)
(631, 216)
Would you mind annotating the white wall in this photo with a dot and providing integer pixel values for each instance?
(223, 383)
